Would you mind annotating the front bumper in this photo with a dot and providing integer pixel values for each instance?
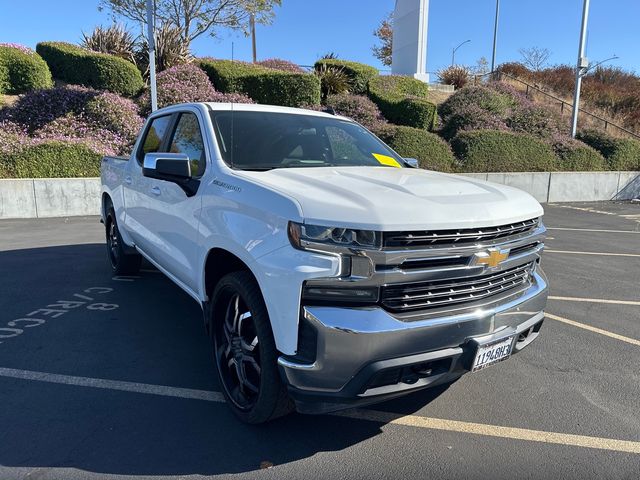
(366, 355)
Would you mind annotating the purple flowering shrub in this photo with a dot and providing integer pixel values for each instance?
(77, 129)
(575, 155)
(279, 64)
(471, 117)
(105, 122)
(183, 84)
(358, 108)
(17, 46)
(40, 107)
(115, 114)
(12, 137)
(457, 110)
(535, 120)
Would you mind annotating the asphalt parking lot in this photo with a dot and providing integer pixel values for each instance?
(121, 382)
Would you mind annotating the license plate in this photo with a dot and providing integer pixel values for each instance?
(491, 353)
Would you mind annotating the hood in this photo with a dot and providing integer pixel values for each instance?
(388, 199)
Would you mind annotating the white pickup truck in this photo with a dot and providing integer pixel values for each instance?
(331, 272)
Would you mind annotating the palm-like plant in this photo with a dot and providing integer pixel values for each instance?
(114, 40)
(333, 80)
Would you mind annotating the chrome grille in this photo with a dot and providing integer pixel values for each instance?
(443, 293)
(463, 236)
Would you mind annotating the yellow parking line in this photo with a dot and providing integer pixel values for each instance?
(584, 326)
(494, 431)
(369, 415)
(595, 300)
(571, 252)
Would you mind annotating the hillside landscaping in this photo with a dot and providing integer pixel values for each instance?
(64, 106)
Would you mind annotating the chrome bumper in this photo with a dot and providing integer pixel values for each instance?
(354, 346)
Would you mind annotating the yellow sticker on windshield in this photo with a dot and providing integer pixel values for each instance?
(386, 160)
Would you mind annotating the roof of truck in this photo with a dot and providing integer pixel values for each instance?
(254, 107)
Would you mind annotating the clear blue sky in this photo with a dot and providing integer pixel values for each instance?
(306, 29)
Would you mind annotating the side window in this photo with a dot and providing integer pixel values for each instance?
(187, 139)
(154, 136)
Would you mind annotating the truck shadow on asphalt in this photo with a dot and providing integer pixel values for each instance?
(154, 336)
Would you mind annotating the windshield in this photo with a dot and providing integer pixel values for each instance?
(268, 140)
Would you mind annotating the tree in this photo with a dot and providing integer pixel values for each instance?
(195, 17)
(384, 33)
(481, 67)
(535, 58)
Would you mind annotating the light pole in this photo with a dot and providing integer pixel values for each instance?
(152, 55)
(252, 27)
(581, 68)
(453, 53)
(495, 37)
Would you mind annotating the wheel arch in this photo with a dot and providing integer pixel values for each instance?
(218, 263)
(104, 205)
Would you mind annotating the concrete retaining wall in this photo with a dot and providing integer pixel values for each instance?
(65, 197)
(49, 197)
(549, 187)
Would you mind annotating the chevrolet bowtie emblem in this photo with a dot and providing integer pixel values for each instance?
(492, 257)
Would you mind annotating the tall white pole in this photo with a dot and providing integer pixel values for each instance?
(495, 37)
(581, 67)
(152, 56)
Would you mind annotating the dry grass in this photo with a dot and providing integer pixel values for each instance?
(438, 97)
(584, 121)
(7, 100)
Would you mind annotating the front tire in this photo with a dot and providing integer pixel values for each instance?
(122, 263)
(245, 351)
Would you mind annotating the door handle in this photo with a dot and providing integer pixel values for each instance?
(155, 190)
(128, 180)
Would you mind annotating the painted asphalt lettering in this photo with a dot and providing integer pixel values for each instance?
(47, 312)
(14, 331)
(57, 309)
(83, 297)
(105, 307)
(34, 322)
(99, 290)
(66, 304)
(122, 278)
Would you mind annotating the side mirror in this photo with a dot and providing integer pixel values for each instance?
(412, 162)
(172, 167)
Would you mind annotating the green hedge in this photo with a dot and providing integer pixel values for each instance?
(577, 156)
(263, 85)
(21, 72)
(397, 100)
(500, 151)
(619, 153)
(359, 74)
(429, 149)
(101, 71)
(52, 159)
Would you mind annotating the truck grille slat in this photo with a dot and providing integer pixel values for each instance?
(457, 237)
(423, 295)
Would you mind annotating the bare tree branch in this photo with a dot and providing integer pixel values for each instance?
(195, 17)
(535, 58)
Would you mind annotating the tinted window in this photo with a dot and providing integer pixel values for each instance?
(154, 136)
(267, 140)
(187, 139)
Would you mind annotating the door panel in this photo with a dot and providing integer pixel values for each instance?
(170, 217)
(137, 187)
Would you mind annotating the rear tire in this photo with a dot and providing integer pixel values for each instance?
(122, 263)
(245, 352)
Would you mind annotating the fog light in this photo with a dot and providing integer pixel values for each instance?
(323, 294)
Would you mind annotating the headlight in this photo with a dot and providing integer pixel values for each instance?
(301, 235)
